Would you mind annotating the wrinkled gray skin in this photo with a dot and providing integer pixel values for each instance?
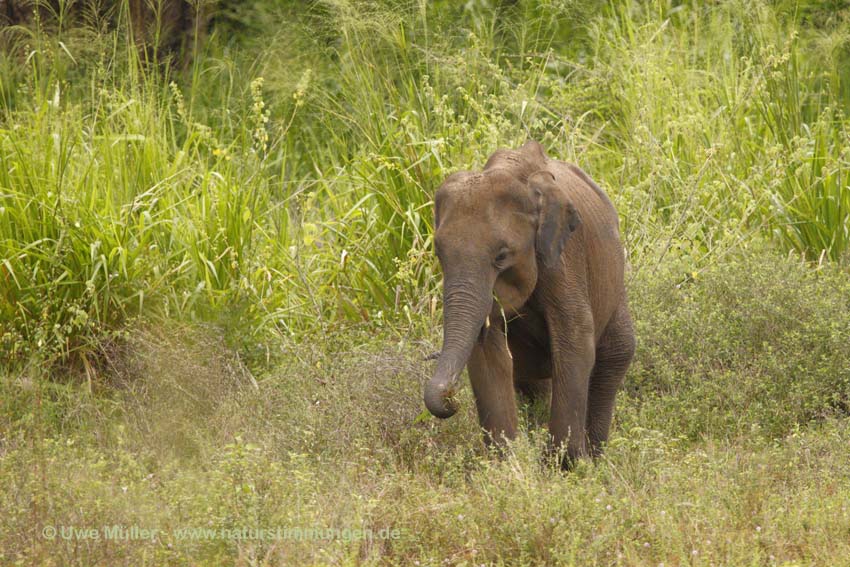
(542, 238)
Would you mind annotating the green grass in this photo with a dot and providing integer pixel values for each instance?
(289, 187)
(217, 285)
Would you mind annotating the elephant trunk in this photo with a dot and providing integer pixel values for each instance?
(466, 306)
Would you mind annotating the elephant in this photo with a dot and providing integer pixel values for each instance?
(534, 299)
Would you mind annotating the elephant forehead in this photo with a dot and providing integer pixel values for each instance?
(485, 194)
(491, 211)
(476, 224)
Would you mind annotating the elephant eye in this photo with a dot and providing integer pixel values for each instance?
(500, 258)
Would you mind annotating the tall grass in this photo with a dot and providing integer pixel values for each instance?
(288, 190)
(720, 122)
(118, 205)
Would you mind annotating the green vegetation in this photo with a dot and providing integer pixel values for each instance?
(217, 285)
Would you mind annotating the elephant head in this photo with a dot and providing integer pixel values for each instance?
(495, 231)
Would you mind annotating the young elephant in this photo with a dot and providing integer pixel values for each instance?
(543, 238)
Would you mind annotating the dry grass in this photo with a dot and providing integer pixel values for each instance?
(706, 466)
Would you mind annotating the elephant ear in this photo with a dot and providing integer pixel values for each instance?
(557, 220)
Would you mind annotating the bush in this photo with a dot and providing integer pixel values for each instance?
(753, 344)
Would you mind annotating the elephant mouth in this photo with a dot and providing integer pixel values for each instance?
(485, 328)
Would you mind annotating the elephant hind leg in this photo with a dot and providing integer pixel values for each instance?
(614, 353)
(535, 391)
(535, 397)
(532, 374)
(532, 377)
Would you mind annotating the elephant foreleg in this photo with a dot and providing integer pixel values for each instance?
(491, 374)
(573, 356)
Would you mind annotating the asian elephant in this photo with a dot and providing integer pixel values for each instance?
(533, 297)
